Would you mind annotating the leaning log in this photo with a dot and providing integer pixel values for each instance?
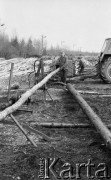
(23, 130)
(95, 119)
(26, 95)
(44, 136)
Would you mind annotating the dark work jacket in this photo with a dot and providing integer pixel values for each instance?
(62, 61)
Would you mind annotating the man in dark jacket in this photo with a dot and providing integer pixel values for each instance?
(81, 65)
(62, 62)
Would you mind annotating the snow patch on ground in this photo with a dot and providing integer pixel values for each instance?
(21, 66)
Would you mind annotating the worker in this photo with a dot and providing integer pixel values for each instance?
(62, 62)
(81, 65)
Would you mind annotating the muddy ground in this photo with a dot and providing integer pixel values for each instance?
(20, 160)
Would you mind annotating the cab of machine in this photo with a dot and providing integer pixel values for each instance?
(106, 49)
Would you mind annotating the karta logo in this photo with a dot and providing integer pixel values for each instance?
(49, 169)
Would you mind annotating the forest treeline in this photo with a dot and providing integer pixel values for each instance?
(15, 47)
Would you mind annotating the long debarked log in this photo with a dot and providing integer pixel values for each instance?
(56, 125)
(67, 125)
(95, 119)
(63, 125)
(26, 95)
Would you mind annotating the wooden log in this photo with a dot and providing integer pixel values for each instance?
(95, 119)
(25, 110)
(67, 125)
(55, 125)
(63, 125)
(26, 95)
(23, 131)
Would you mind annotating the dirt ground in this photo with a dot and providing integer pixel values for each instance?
(20, 160)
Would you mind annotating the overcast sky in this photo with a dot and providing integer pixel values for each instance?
(78, 24)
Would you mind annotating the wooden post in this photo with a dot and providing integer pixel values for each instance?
(42, 73)
(99, 125)
(37, 74)
(10, 80)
